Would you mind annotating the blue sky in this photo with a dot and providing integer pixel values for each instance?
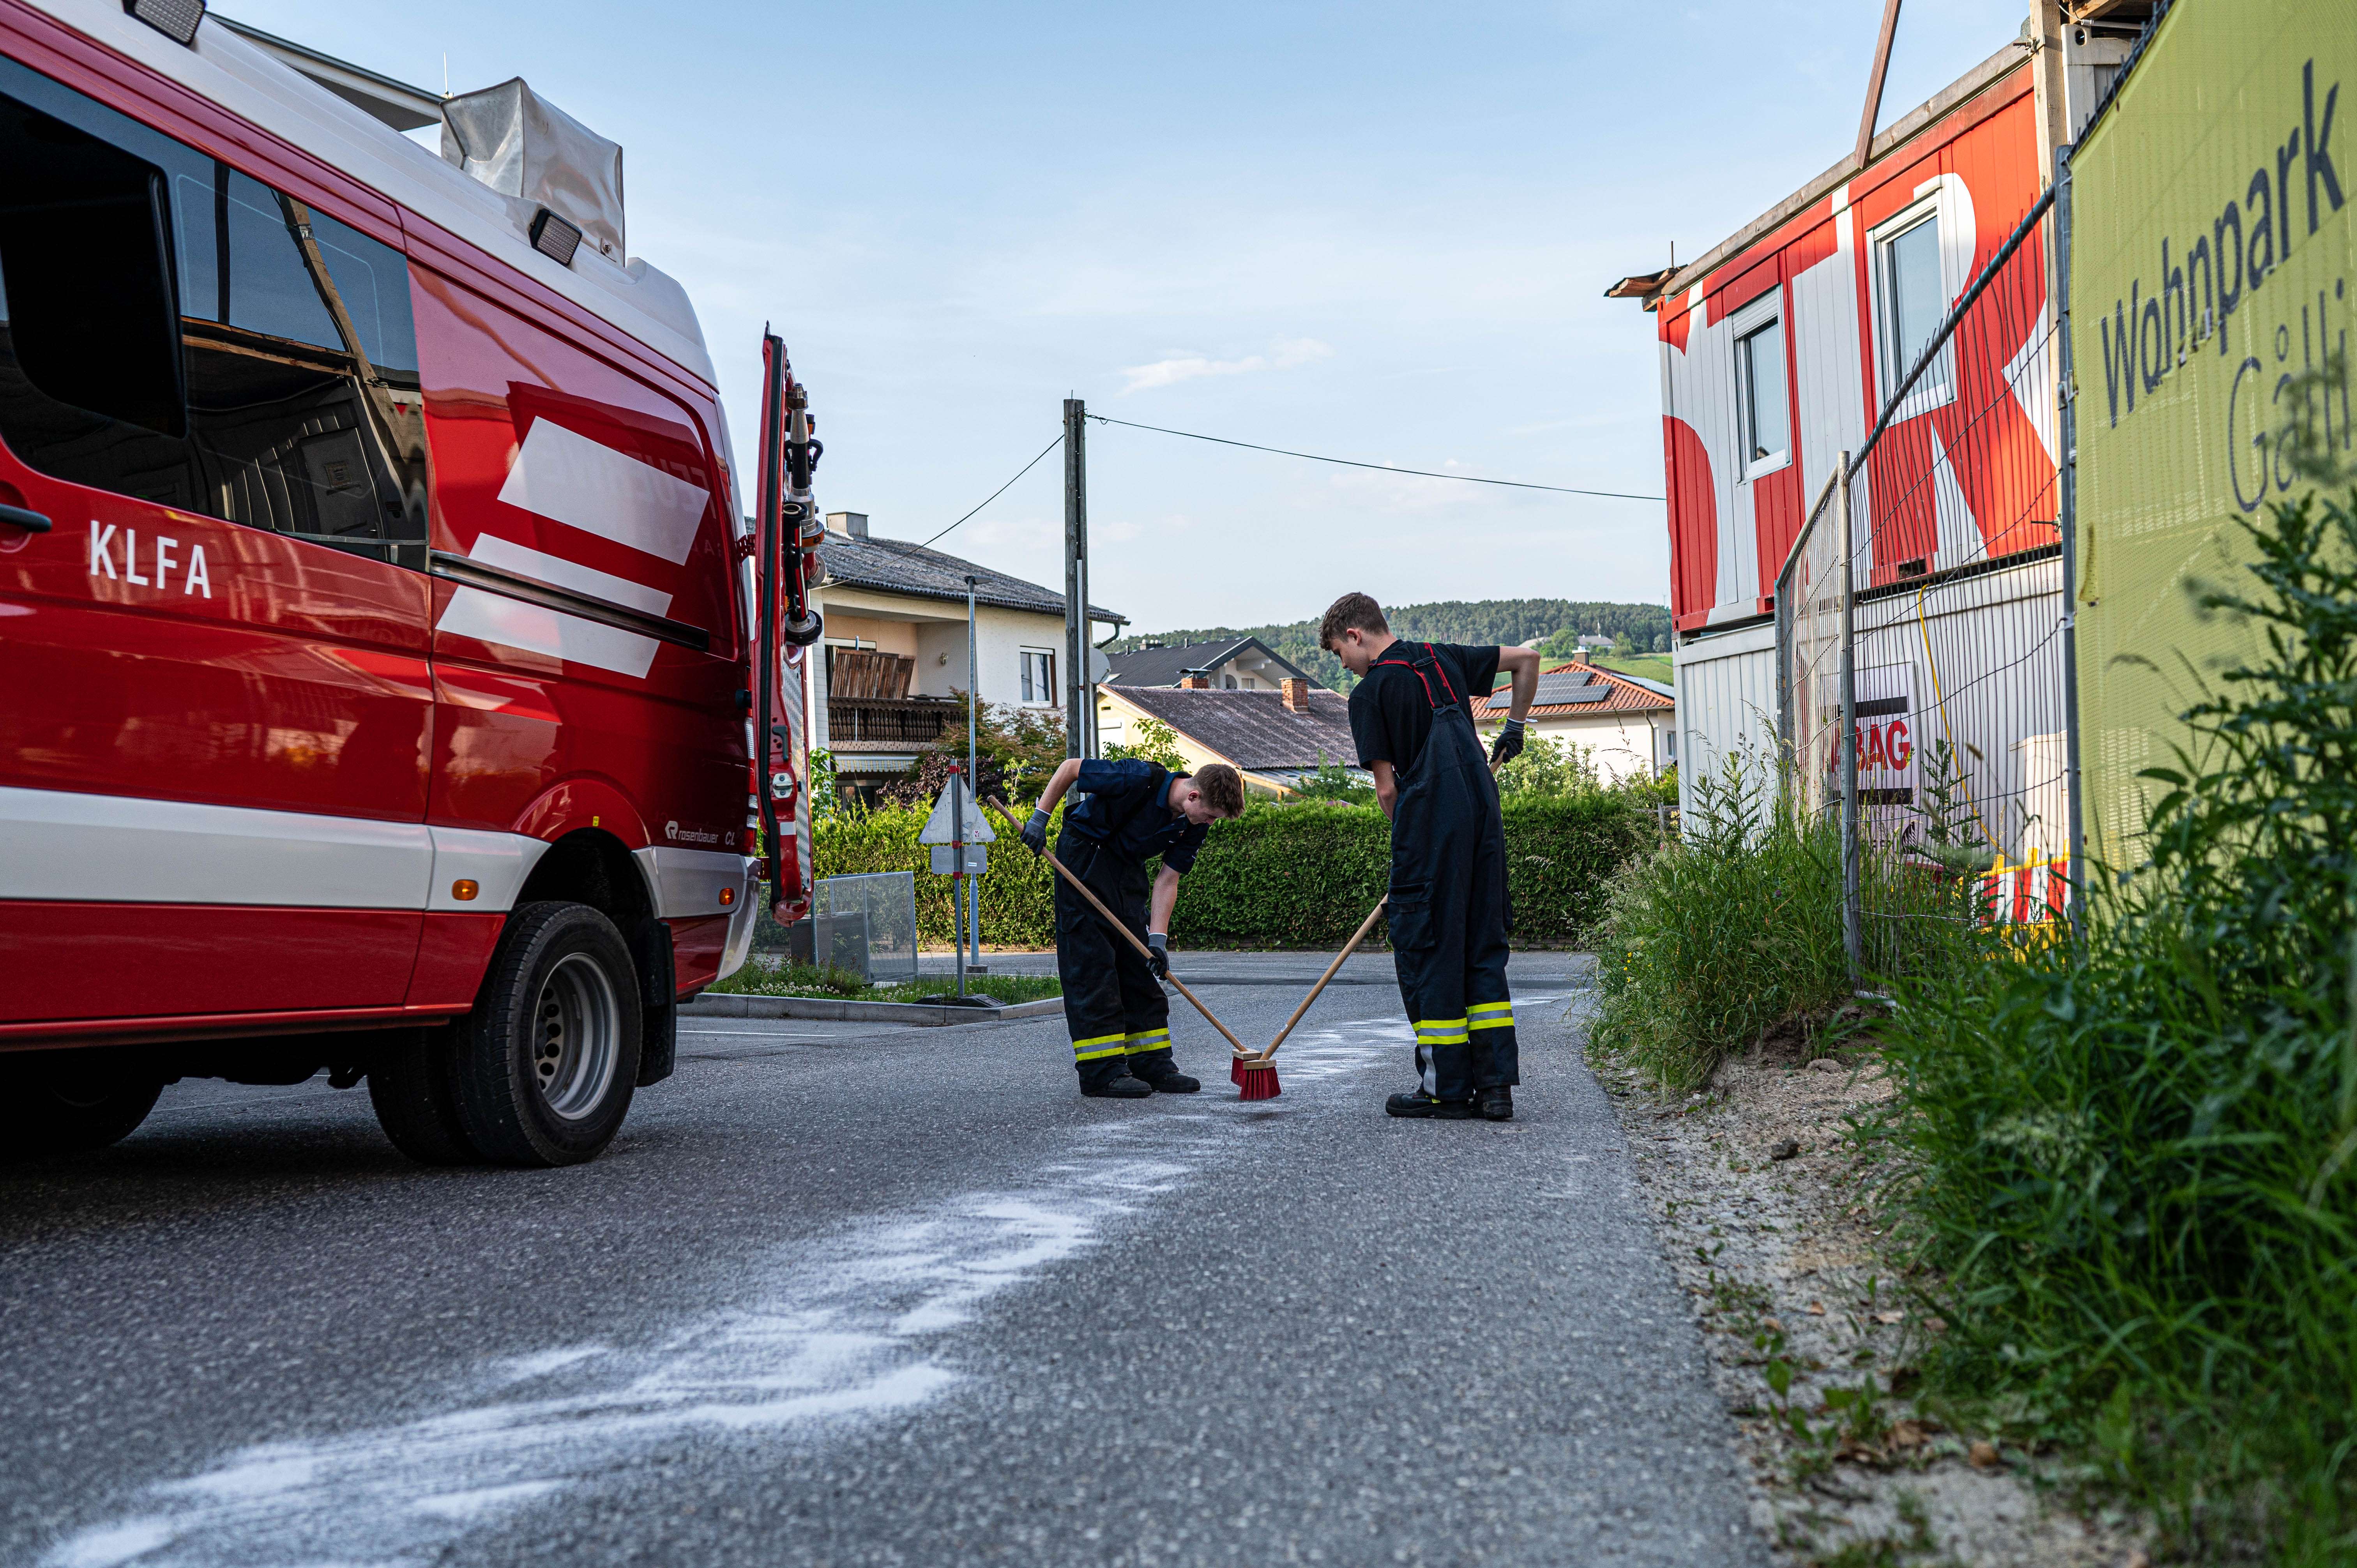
(1375, 231)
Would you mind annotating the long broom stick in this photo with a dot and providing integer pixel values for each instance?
(1331, 970)
(1129, 936)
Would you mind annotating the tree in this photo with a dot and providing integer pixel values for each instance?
(1157, 742)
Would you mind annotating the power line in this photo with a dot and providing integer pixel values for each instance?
(1379, 468)
(1002, 489)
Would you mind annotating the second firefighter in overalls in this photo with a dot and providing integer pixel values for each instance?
(1412, 716)
(1122, 814)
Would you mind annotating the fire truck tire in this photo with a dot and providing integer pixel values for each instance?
(548, 1059)
(416, 1104)
(70, 1102)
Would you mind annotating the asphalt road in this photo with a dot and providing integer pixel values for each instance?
(843, 1296)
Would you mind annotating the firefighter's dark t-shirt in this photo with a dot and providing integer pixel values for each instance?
(1391, 715)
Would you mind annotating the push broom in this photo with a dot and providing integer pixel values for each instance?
(1236, 1046)
(1250, 1072)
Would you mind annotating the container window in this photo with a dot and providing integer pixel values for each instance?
(1761, 396)
(1914, 301)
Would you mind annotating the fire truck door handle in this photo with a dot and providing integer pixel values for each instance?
(18, 517)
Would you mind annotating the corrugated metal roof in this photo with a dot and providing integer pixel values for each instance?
(897, 566)
(1251, 729)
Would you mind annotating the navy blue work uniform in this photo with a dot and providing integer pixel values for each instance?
(1117, 818)
(1448, 904)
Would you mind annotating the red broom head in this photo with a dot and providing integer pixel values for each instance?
(1258, 1082)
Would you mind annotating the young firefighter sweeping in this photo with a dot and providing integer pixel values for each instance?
(1412, 716)
(1122, 813)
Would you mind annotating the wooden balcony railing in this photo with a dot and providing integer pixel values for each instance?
(908, 721)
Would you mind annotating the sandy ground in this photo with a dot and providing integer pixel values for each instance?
(1765, 1222)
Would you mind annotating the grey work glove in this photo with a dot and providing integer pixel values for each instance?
(1508, 745)
(1158, 953)
(1035, 832)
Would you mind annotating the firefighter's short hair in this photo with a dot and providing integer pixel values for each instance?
(1351, 612)
(1222, 788)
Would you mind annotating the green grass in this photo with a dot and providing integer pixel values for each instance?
(2129, 1162)
(1646, 666)
(764, 975)
(1731, 931)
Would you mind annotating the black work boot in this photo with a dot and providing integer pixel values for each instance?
(1159, 1073)
(1107, 1077)
(1419, 1103)
(1496, 1104)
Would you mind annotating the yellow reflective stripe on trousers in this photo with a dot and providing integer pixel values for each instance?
(1150, 1040)
(1491, 1015)
(1440, 1032)
(1097, 1046)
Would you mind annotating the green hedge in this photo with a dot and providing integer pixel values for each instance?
(1299, 876)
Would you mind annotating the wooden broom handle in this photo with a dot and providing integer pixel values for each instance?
(1007, 818)
(1331, 970)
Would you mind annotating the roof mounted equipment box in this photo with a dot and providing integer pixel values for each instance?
(528, 149)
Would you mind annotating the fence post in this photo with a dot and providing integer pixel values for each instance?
(2067, 514)
(1852, 913)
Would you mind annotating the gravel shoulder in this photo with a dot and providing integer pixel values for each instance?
(1766, 1220)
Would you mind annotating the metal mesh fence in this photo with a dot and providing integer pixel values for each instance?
(1920, 618)
(878, 911)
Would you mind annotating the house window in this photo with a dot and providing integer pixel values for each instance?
(1914, 300)
(1039, 676)
(1761, 396)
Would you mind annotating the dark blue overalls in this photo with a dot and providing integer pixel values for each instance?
(1448, 903)
(1114, 1007)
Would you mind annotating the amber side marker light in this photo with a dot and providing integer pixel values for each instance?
(464, 889)
(728, 896)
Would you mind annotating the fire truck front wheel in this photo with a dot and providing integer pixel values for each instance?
(548, 1059)
(70, 1102)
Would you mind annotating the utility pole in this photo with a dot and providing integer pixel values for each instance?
(972, 770)
(1077, 686)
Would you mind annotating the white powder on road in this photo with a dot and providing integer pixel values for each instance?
(854, 1325)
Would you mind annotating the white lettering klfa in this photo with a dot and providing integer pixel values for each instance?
(161, 560)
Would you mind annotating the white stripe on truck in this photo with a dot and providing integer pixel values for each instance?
(564, 475)
(58, 844)
(536, 629)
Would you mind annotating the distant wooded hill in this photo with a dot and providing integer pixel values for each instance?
(1554, 623)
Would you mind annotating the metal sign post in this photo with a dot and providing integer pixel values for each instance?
(1077, 646)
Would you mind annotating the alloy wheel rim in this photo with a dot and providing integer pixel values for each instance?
(577, 1037)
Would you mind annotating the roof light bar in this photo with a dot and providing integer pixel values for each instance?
(176, 19)
(555, 237)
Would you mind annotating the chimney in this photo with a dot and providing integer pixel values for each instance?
(1195, 684)
(850, 524)
(1579, 656)
(1297, 694)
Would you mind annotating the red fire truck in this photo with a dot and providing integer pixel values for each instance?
(380, 661)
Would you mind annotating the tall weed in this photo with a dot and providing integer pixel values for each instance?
(1733, 929)
(2131, 1157)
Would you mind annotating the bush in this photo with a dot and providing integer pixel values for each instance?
(1278, 877)
(2132, 1157)
(1712, 940)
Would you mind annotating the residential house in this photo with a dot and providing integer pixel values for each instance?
(895, 652)
(1237, 664)
(1275, 738)
(1628, 727)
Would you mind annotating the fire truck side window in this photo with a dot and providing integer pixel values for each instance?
(286, 399)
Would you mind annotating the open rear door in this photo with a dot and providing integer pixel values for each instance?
(785, 559)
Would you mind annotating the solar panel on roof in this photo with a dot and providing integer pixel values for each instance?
(1561, 686)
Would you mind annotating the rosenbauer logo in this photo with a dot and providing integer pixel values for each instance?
(678, 835)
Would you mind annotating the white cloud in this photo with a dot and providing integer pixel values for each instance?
(1185, 366)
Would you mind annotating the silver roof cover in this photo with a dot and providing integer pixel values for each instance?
(524, 146)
